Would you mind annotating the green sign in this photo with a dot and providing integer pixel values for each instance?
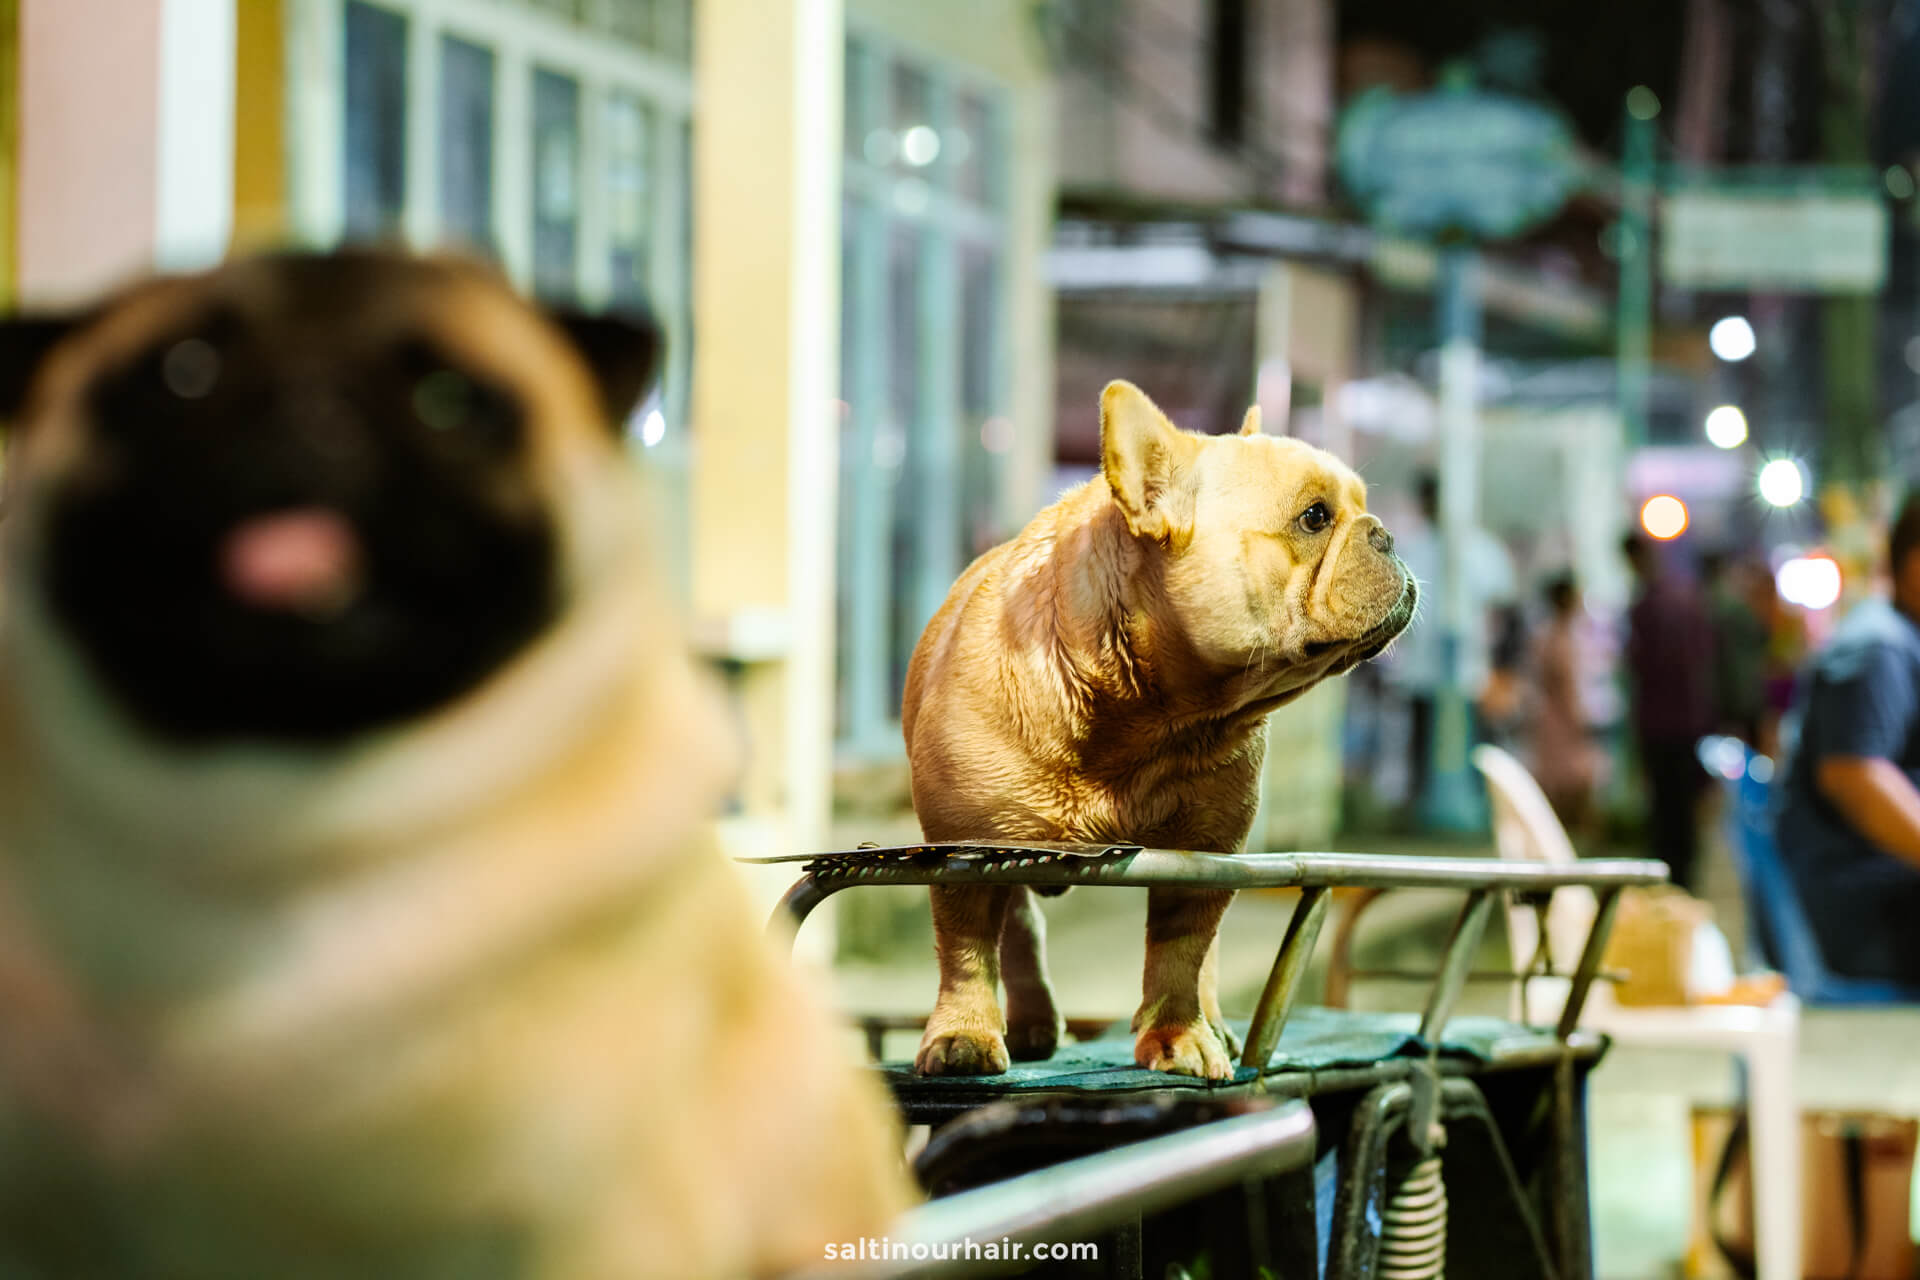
(1456, 162)
(1827, 233)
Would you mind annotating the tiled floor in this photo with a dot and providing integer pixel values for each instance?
(1642, 1174)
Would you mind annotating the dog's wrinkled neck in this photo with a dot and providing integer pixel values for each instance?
(1123, 658)
(1100, 577)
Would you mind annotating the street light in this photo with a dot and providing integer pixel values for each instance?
(1731, 338)
(1727, 427)
(1781, 482)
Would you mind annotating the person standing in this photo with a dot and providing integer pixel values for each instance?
(1739, 647)
(1669, 666)
(1562, 754)
(1849, 818)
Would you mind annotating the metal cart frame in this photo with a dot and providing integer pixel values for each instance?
(1515, 1115)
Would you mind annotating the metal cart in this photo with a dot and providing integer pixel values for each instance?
(1346, 1145)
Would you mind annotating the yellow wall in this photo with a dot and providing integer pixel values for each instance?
(9, 143)
(259, 132)
(765, 365)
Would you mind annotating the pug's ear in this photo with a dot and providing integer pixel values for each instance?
(1145, 459)
(25, 342)
(622, 351)
(1250, 425)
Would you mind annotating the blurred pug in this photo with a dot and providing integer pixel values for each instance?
(1106, 676)
(359, 915)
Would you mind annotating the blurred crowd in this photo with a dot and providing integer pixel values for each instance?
(1606, 707)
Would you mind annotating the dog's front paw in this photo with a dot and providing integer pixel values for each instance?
(1189, 1050)
(961, 1051)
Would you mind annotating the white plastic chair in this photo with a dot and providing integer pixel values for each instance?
(1765, 1039)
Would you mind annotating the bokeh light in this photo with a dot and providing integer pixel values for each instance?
(1727, 427)
(1731, 338)
(1664, 517)
(1781, 482)
(653, 429)
(920, 146)
(1812, 582)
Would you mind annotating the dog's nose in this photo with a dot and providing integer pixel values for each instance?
(1382, 540)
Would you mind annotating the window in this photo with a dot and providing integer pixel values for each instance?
(556, 185)
(1227, 67)
(923, 362)
(376, 111)
(547, 135)
(466, 144)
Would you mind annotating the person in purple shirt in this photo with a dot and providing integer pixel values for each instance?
(1670, 667)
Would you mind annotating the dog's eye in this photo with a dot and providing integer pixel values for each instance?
(456, 407)
(1315, 518)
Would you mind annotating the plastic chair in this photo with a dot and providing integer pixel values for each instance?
(1775, 921)
(1766, 1040)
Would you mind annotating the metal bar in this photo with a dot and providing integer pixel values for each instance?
(796, 905)
(1283, 984)
(1426, 975)
(1080, 1199)
(1360, 1195)
(1567, 1173)
(1365, 870)
(1463, 946)
(1589, 962)
(1149, 867)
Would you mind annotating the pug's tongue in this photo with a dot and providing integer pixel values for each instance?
(303, 560)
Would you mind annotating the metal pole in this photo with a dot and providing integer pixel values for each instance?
(796, 905)
(1455, 965)
(1283, 984)
(1633, 321)
(1589, 967)
(1454, 801)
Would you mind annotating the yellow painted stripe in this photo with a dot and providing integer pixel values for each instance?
(259, 139)
(9, 149)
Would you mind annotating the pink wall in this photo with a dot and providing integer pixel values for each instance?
(89, 138)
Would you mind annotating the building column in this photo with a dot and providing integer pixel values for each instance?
(125, 141)
(765, 430)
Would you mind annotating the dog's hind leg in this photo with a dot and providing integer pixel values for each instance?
(1034, 1023)
(965, 1036)
(1174, 1029)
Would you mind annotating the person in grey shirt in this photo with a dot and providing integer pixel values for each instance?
(1849, 818)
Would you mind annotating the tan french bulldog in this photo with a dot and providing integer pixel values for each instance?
(358, 911)
(1106, 676)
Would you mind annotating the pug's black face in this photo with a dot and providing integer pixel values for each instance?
(301, 515)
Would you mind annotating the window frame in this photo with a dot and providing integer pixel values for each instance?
(868, 723)
(521, 39)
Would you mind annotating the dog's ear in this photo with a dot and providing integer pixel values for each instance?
(1250, 425)
(622, 351)
(1144, 458)
(25, 341)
